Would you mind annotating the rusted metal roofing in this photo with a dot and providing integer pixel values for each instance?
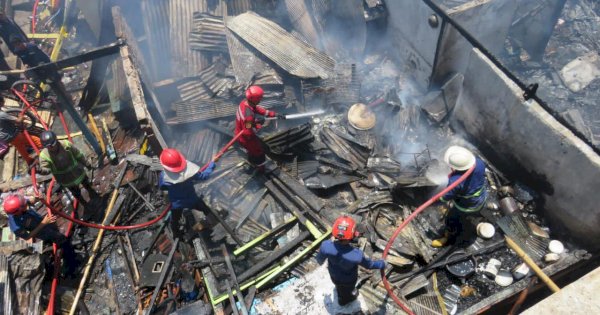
(243, 60)
(186, 61)
(156, 26)
(208, 33)
(201, 110)
(292, 55)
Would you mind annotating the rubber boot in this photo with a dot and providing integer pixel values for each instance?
(442, 241)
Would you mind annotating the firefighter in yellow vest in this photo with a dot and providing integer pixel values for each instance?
(67, 164)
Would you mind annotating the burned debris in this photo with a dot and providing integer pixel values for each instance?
(351, 137)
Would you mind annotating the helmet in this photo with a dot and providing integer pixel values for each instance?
(344, 228)
(254, 94)
(14, 204)
(459, 158)
(172, 160)
(48, 138)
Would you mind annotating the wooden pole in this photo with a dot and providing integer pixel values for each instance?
(538, 271)
(97, 243)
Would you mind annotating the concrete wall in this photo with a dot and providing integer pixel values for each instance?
(487, 20)
(413, 38)
(523, 138)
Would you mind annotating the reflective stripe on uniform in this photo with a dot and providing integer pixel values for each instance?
(473, 195)
(67, 145)
(469, 209)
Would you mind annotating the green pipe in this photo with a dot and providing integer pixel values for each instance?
(261, 237)
(292, 261)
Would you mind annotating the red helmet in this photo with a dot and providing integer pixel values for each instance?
(172, 160)
(14, 204)
(344, 228)
(254, 94)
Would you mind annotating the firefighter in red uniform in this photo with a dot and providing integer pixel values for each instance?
(250, 117)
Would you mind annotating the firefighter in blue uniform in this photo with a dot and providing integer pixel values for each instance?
(468, 197)
(178, 179)
(25, 223)
(343, 259)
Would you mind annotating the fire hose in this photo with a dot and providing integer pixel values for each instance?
(56, 273)
(140, 225)
(399, 229)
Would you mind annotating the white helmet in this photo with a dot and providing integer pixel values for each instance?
(459, 158)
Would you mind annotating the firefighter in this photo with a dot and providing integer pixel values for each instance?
(467, 198)
(67, 164)
(26, 223)
(343, 259)
(249, 119)
(178, 179)
(29, 53)
(11, 132)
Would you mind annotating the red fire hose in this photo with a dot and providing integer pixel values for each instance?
(433, 199)
(57, 262)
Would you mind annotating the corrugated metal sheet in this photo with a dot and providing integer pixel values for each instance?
(201, 110)
(342, 88)
(208, 33)
(156, 26)
(302, 21)
(243, 60)
(186, 62)
(294, 56)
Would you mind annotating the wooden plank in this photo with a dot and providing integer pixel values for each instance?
(22, 182)
(136, 74)
(207, 273)
(10, 162)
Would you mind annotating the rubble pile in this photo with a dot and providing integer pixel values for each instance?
(568, 72)
(369, 146)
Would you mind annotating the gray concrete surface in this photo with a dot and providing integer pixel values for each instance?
(487, 20)
(413, 38)
(522, 138)
(579, 297)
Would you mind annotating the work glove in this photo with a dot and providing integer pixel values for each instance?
(206, 173)
(280, 116)
(380, 264)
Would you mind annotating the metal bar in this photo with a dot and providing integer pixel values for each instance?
(235, 282)
(274, 256)
(263, 236)
(151, 206)
(231, 299)
(43, 36)
(278, 195)
(154, 239)
(222, 297)
(162, 278)
(292, 261)
(65, 103)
